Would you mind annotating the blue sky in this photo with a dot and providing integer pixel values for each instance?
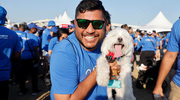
(132, 12)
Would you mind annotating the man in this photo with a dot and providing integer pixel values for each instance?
(9, 48)
(167, 62)
(46, 37)
(29, 56)
(73, 60)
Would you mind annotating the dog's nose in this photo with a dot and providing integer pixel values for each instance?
(120, 39)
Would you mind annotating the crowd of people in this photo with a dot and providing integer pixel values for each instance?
(69, 66)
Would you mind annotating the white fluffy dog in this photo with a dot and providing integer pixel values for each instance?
(117, 37)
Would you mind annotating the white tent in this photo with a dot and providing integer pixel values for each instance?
(56, 19)
(63, 21)
(160, 23)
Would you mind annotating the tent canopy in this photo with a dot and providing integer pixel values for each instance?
(63, 20)
(160, 23)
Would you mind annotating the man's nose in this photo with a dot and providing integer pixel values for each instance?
(90, 28)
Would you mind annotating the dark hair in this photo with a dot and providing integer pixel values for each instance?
(23, 26)
(72, 21)
(90, 5)
(62, 31)
(154, 31)
(125, 26)
(108, 18)
(130, 28)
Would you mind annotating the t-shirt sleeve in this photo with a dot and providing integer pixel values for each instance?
(51, 44)
(173, 42)
(63, 69)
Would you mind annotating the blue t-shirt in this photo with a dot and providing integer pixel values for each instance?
(9, 43)
(45, 36)
(136, 40)
(173, 46)
(159, 40)
(148, 44)
(53, 42)
(164, 39)
(20, 33)
(32, 40)
(70, 65)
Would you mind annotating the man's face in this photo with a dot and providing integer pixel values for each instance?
(33, 30)
(89, 38)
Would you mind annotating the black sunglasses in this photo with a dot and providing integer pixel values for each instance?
(84, 23)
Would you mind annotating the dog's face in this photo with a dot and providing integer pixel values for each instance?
(115, 37)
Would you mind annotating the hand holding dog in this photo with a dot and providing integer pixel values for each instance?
(114, 70)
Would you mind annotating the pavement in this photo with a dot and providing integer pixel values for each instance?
(140, 94)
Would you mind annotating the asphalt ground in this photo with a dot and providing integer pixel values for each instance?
(140, 94)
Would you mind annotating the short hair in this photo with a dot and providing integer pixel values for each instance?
(130, 28)
(90, 5)
(108, 18)
(154, 31)
(23, 26)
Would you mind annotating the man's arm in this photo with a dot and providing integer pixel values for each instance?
(82, 90)
(85, 86)
(165, 67)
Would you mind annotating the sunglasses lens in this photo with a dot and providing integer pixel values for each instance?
(97, 24)
(82, 23)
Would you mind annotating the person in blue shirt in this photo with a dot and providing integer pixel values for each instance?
(9, 48)
(169, 58)
(73, 60)
(21, 31)
(46, 37)
(29, 56)
(62, 33)
(149, 46)
(137, 50)
(165, 42)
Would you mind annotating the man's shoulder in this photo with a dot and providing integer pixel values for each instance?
(6, 31)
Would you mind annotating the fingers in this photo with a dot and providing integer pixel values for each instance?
(115, 68)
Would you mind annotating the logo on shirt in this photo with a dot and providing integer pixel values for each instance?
(88, 71)
(149, 40)
(3, 36)
(18, 33)
(24, 38)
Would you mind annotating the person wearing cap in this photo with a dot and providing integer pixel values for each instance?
(149, 47)
(46, 37)
(29, 55)
(10, 48)
(71, 28)
(53, 33)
